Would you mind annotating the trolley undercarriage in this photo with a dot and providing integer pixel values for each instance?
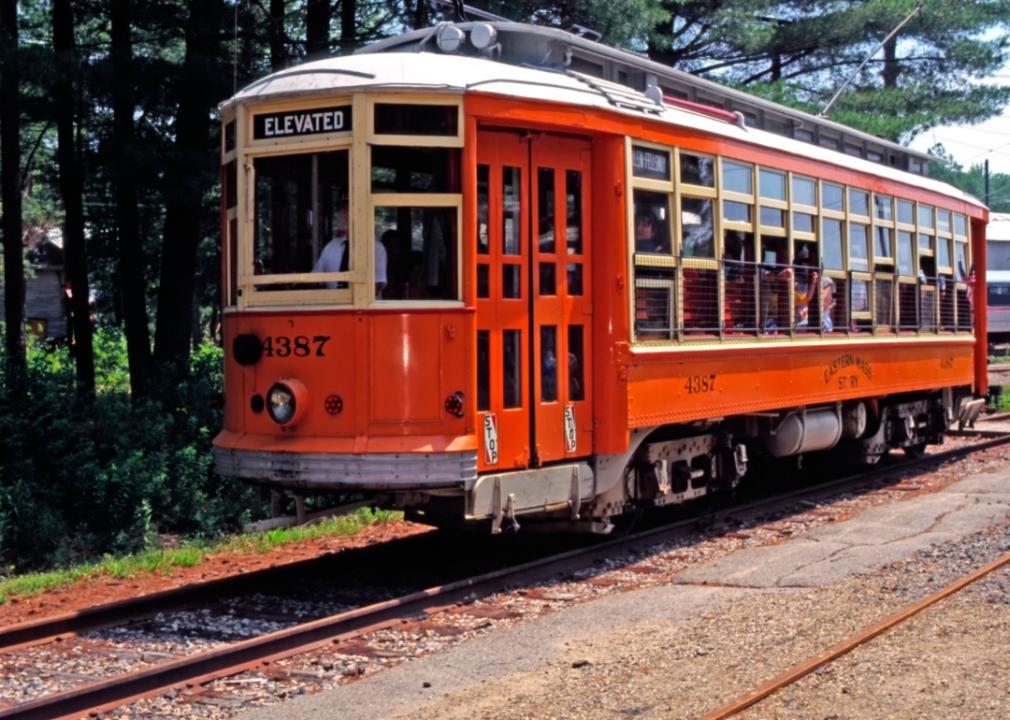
(669, 465)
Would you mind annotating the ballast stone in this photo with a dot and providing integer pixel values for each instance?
(822, 557)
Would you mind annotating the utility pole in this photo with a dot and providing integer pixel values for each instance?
(987, 182)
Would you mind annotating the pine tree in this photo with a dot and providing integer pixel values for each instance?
(800, 52)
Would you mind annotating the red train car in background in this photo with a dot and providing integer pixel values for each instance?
(499, 273)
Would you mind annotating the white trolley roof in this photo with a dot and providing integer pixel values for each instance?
(433, 71)
(999, 227)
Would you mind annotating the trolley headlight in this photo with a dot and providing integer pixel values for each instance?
(287, 401)
(281, 403)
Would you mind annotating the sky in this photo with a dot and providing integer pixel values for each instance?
(972, 144)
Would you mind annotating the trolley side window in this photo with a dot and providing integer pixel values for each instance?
(997, 255)
(721, 248)
(652, 228)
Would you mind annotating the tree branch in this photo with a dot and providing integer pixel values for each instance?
(26, 170)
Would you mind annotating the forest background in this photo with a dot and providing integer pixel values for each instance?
(108, 131)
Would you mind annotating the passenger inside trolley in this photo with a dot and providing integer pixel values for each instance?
(652, 234)
(827, 303)
(336, 258)
(775, 275)
(805, 288)
(397, 268)
(738, 270)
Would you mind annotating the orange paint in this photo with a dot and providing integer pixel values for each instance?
(682, 387)
(393, 369)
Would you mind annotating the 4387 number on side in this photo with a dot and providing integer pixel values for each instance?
(697, 384)
(297, 346)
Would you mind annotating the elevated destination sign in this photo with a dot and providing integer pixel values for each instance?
(296, 123)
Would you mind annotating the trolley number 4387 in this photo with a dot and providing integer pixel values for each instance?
(299, 345)
(697, 384)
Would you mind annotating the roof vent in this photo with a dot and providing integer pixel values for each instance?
(583, 31)
(483, 36)
(449, 38)
(652, 90)
(619, 95)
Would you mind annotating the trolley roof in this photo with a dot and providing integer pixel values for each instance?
(554, 49)
(999, 227)
(433, 71)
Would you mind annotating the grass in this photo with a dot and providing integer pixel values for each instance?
(1003, 401)
(165, 561)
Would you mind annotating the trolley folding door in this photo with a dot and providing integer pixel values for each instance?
(533, 299)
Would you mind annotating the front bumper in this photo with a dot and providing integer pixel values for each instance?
(341, 471)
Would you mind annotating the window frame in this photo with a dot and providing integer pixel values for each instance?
(230, 241)
(358, 141)
(249, 296)
(881, 271)
(878, 222)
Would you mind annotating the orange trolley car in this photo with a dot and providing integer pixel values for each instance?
(488, 271)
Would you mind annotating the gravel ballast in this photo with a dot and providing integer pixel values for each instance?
(683, 650)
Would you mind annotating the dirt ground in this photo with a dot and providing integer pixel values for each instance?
(97, 591)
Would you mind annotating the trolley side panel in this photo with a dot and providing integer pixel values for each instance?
(672, 387)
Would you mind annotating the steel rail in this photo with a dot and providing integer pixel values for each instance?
(13, 637)
(247, 654)
(806, 667)
(995, 417)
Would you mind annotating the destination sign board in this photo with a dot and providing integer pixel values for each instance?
(649, 163)
(295, 123)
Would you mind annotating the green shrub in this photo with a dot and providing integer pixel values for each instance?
(82, 479)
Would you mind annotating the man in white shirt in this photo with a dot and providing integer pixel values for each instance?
(334, 257)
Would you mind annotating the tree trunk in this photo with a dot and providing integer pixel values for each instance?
(131, 253)
(250, 47)
(10, 160)
(891, 66)
(348, 25)
(70, 190)
(278, 38)
(420, 14)
(317, 29)
(186, 182)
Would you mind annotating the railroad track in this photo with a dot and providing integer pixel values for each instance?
(801, 670)
(338, 629)
(49, 629)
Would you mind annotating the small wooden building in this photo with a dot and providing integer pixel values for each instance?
(45, 297)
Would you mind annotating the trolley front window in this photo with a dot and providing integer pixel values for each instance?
(410, 119)
(301, 213)
(415, 170)
(420, 246)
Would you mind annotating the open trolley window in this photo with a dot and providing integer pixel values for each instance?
(722, 249)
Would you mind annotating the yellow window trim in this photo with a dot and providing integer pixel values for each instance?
(652, 185)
